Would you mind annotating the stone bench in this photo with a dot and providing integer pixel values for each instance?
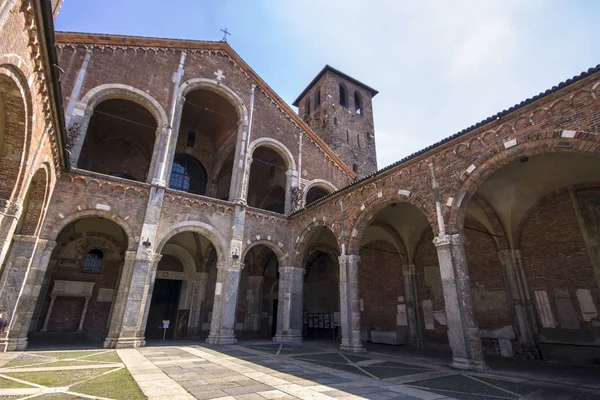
(388, 337)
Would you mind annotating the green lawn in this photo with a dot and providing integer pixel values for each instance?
(8, 384)
(116, 385)
(57, 378)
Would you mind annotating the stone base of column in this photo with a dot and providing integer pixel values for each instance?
(469, 365)
(287, 338)
(352, 348)
(124, 343)
(13, 344)
(221, 339)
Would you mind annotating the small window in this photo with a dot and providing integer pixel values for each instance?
(357, 103)
(318, 97)
(188, 175)
(191, 139)
(358, 141)
(93, 262)
(343, 100)
(355, 168)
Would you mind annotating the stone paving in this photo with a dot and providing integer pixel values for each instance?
(262, 370)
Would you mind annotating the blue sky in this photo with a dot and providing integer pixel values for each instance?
(440, 66)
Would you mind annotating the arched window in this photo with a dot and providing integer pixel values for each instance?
(318, 97)
(343, 99)
(191, 139)
(93, 262)
(357, 103)
(188, 175)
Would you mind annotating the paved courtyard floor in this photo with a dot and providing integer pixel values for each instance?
(317, 370)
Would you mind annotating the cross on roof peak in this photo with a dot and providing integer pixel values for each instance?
(225, 33)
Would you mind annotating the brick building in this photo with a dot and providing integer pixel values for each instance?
(147, 179)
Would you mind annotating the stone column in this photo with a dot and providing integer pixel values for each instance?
(517, 286)
(290, 304)
(10, 213)
(158, 158)
(291, 180)
(411, 300)
(222, 324)
(245, 178)
(15, 272)
(463, 331)
(253, 301)
(24, 309)
(83, 314)
(350, 304)
(118, 308)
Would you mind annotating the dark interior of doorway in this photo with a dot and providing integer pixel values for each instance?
(164, 305)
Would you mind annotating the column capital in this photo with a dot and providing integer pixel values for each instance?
(230, 266)
(450, 239)
(130, 255)
(10, 208)
(25, 238)
(291, 172)
(349, 258)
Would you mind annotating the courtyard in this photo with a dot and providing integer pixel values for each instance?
(266, 370)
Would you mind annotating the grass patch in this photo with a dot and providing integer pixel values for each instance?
(8, 384)
(57, 378)
(26, 359)
(66, 354)
(58, 396)
(109, 356)
(118, 385)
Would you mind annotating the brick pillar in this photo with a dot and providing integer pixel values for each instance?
(350, 304)
(514, 274)
(27, 265)
(222, 324)
(290, 304)
(9, 216)
(411, 299)
(463, 331)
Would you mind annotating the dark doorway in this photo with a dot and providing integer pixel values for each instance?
(164, 304)
(274, 326)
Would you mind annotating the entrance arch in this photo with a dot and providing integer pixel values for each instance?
(184, 287)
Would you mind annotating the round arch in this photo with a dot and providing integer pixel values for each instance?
(486, 167)
(179, 252)
(374, 205)
(18, 94)
(58, 226)
(125, 92)
(306, 236)
(270, 245)
(276, 146)
(200, 227)
(33, 215)
(318, 183)
(218, 88)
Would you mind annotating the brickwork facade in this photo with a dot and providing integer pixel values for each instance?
(198, 188)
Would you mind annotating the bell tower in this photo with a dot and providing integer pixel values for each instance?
(339, 109)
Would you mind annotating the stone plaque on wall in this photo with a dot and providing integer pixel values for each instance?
(544, 310)
(105, 295)
(567, 318)
(586, 304)
(72, 288)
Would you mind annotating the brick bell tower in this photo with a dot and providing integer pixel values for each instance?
(339, 109)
